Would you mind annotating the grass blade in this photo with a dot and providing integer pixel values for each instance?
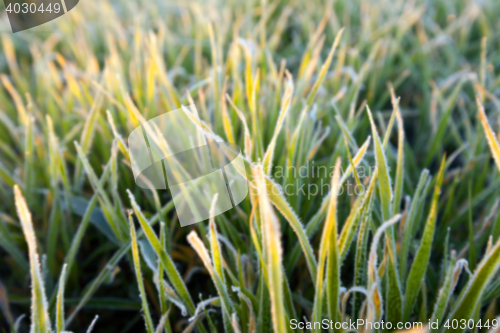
(419, 267)
(445, 291)
(271, 238)
(60, 302)
(227, 307)
(375, 308)
(383, 171)
(408, 227)
(138, 274)
(470, 297)
(328, 236)
(218, 263)
(394, 297)
(324, 69)
(490, 135)
(40, 321)
(167, 262)
(277, 198)
(398, 186)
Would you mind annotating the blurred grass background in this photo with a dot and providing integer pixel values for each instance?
(93, 75)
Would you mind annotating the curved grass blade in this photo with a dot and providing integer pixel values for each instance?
(277, 198)
(227, 307)
(375, 309)
(470, 297)
(247, 137)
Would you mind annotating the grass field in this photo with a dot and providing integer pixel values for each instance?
(369, 130)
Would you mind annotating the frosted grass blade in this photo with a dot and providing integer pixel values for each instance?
(421, 261)
(138, 274)
(40, 321)
(271, 239)
(328, 236)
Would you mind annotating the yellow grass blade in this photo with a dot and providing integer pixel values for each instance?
(328, 247)
(490, 135)
(271, 236)
(40, 321)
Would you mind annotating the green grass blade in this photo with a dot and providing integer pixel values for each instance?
(110, 266)
(394, 297)
(138, 273)
(7, 243)
(421, 261)
(360, 270)
(470, 297)
(444, 292)
(383, 171)
(375, 306)
(444, 122)
(277, 198)
(408, 227)
(161, 284)
(60, 302)
(115, 222)
(328, 236)
(167, 262)
(354, 218)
